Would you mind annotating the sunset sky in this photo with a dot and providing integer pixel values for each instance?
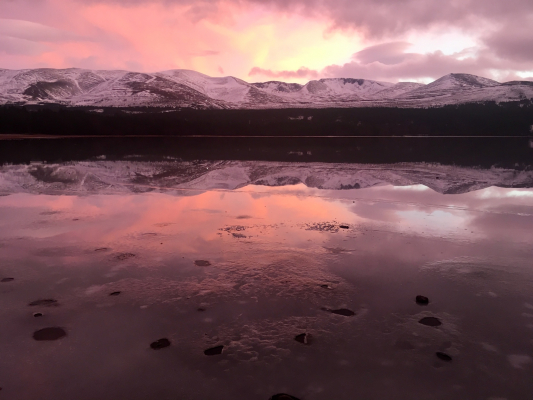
(288, 40)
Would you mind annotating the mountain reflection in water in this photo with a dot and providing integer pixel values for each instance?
(224, 280)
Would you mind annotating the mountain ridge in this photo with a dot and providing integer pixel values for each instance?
(181, 88)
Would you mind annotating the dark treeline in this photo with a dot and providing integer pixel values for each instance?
(504, 119)
(514, 152)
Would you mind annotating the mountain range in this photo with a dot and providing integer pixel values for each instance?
(76, 87)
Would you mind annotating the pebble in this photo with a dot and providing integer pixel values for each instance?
(37, 314)
(303, 338)
(160, 344)
(343, 311)
(202, 263)
(430, 321)
(214, 351)
(443, 356)
(283, 396)
(422, 300)
(52, 333)
(114, 293)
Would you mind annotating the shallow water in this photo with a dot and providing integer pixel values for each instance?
(253, 269)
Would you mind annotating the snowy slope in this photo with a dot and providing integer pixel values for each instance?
(185, 88)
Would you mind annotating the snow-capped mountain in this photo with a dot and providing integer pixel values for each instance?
(191, 89)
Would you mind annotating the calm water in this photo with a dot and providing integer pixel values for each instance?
(251, 267)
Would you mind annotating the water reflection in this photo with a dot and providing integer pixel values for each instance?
(253, 268)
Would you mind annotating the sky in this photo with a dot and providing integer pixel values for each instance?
(286, 40)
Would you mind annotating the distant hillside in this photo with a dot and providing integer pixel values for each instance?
(189, 89)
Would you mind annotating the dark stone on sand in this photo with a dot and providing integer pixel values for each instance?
(202, 263)
(443, 356)
(303, 338)
(37, 314)
(344, 227)
(114, 293)
(4, 280)
(283, 396)
(214, 351)
(326, 287)
(124, 256)
(422, 300)
(430, 321)
(44, 302)
(343, 311)
(52, 333)
(160, 344)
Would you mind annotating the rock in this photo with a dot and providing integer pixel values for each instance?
(124, 256)
(160, 344)
(4, 280)
(200, 309)
(202, 263)
(343, 311)
(283, 396)
(214, 351)
(430, 321)
(37, 314)
(344, 227)
(303, 338)
(422, 300)
(44, 302)
(443, 356)
(52, 333)
(114, 293)
(326, 287)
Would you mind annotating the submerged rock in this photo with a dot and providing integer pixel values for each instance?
(4, 280)
(422, 300)
(44, 302)
(303, 338)
(202, 263)
(115, 293)
(214, 351)
(52, 333)
(343, 311)
(283, 396)
(160, 344)
(443, 356)
(430, 321)
(124, 256)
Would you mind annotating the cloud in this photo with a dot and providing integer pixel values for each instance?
(205, 53)
(388, 62)
(35, 32)
(385, 53)
(512, 42)
(16, 46)
(300, 73)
